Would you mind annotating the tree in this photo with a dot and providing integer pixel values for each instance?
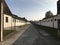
(48, 14)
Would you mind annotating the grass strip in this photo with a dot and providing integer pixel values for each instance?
(6, 32)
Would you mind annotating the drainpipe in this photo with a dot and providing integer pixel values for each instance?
(2, 22)
(14, 24)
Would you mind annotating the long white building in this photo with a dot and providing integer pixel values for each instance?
(11, 20)
(51, 22)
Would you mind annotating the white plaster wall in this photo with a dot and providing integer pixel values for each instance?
(50, 23)
(8, 24)
(20, 22)
(56, 22)
(28, 23)
(47, 22)
(13, 24)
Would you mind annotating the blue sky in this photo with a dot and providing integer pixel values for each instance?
(32, 9)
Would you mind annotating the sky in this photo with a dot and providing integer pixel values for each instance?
(32, 9)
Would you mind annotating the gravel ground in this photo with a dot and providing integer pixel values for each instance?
(31, 36)
(14, 37)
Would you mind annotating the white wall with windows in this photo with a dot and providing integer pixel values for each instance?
(47, 22)
(12, 23)
(7, 22)
(50, 22)
(56, 21)
(20, 22)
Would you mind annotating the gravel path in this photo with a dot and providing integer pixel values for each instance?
(31, 36)
(13, 38)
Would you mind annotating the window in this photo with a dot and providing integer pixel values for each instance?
(51, 20)
(55, 19)
(6, 19)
